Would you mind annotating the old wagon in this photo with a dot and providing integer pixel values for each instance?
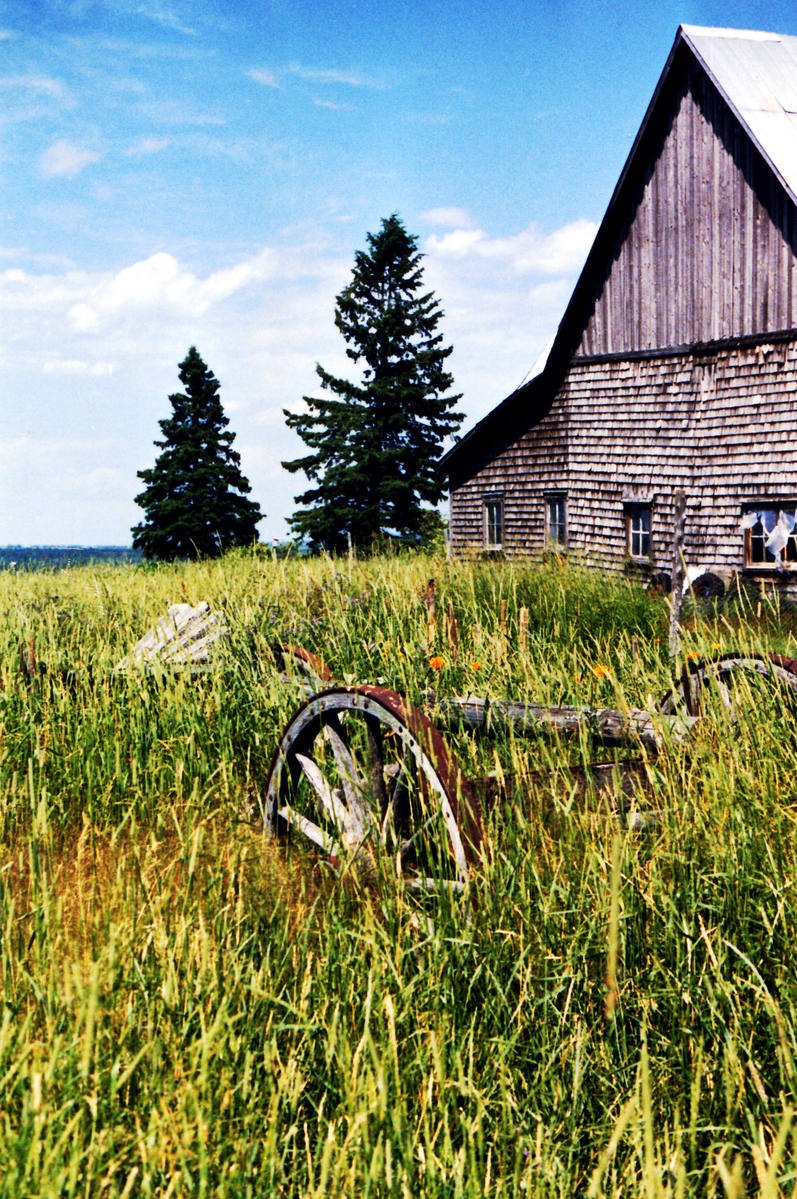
(366, 777)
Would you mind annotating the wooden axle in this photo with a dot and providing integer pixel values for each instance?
(609, 724)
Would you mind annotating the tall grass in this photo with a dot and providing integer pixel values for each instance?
(190, 1009)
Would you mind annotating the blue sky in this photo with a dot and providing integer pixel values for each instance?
(177, 172)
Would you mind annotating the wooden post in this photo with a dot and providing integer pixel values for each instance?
(523, 630)
(430, 614)
(452, 630)
(677, 595)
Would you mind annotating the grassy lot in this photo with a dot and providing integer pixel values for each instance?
(190, 1009)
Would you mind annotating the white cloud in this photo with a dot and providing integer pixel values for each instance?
(40, 84)
(457, 244)
(75, 366)
(448, 217)
(341, 78)
(160, 282)
(528, 252)
(83, 318)
(98, 483)
(146, 146)
(266, 78)
(166, 15)
(63, 159)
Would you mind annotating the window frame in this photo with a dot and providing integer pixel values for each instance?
(632, 510)
(555, 506)
(490, 504)
(786, 559)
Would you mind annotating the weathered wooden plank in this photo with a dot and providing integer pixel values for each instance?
(608, 724)
(184, 638)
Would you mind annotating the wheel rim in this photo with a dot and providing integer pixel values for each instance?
(366, 778)
(687, 693)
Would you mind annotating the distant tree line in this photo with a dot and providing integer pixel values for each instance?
(59, 557)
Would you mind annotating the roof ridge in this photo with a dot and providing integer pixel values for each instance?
(753, 35)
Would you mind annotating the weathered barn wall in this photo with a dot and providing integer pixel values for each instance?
(520, 475)
(709, 247)
(718, 424)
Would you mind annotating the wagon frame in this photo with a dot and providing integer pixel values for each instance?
(366, 777)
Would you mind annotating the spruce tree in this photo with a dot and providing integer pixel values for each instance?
(195, 497)
(375, 445)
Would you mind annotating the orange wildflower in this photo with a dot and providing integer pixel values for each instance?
(436, 662)
(601, 670)
(693, 656)
(475, 665)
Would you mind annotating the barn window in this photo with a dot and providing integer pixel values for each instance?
(555, 520)
(637, 527)
(494, 522)
(770, 537)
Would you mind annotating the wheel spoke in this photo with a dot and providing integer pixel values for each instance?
(351, 781)
(313, 833)
(337, 811)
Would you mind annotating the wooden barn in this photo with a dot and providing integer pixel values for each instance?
(674, 368)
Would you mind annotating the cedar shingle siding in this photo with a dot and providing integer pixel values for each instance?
(720, 426)
(675, 366)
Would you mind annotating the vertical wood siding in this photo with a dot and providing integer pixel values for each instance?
(720, 426)
(709, 250)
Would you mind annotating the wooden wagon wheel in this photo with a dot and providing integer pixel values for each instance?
(363, 775)
(717, 676)
(297, 664)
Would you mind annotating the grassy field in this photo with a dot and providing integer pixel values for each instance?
(188, 1009)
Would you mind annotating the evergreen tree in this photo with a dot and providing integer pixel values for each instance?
(375, 445)
(194, 497)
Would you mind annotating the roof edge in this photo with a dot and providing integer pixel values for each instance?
(694, 30)
(510, 403)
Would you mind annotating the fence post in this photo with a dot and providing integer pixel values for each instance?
(452, 629)
(677, 574)
(523, 630)
(431, 614)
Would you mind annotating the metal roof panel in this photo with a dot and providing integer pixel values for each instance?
(757, 75)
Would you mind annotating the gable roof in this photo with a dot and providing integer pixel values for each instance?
(755, 73)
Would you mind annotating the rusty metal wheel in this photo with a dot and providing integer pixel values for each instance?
(366, 778)
(720, 677)
(299, 665)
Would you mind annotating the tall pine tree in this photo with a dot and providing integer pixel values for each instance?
(195, 497)
(375, 447)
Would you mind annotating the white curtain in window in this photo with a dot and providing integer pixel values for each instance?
(767, 516)
(777, 539)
